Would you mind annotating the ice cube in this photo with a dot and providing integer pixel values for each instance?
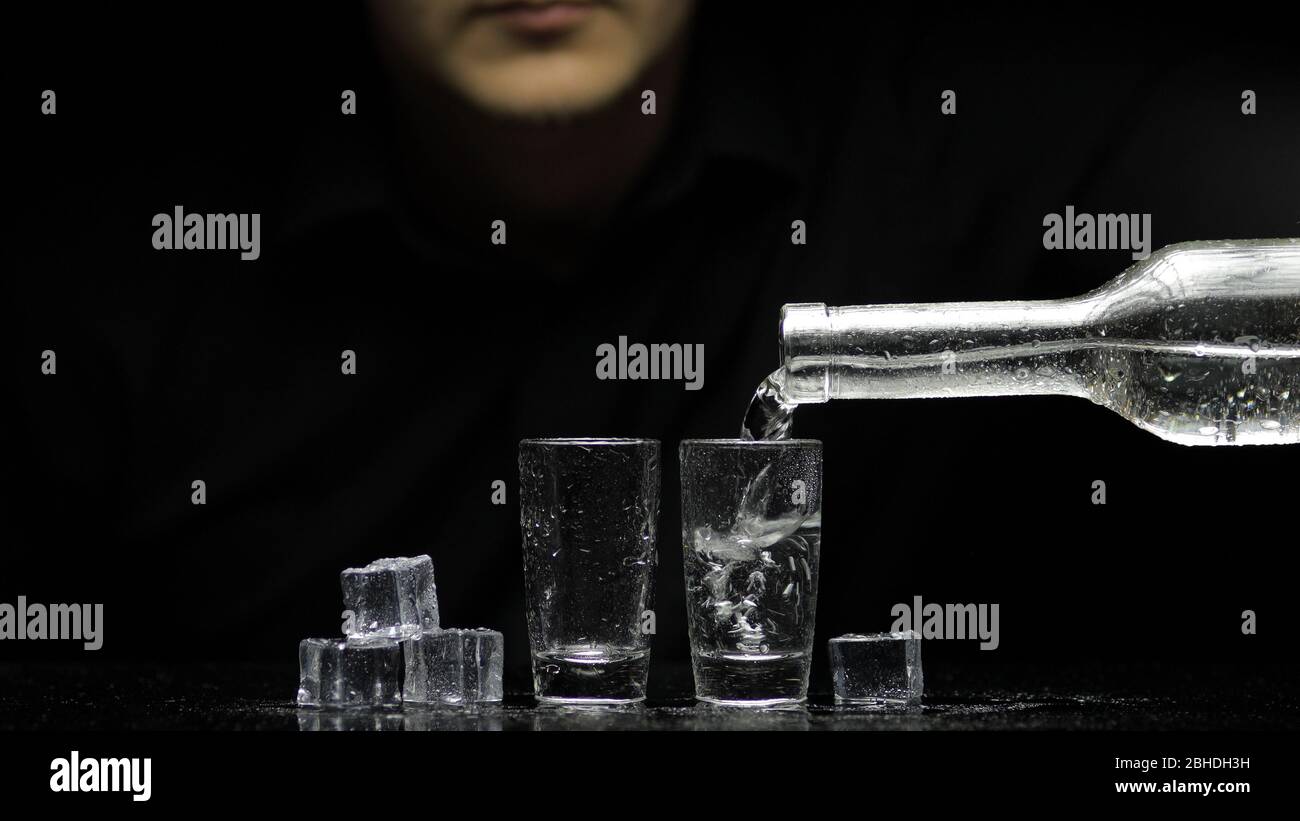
(391, 597)
(349, 673)
(878, 668)
(454, 666)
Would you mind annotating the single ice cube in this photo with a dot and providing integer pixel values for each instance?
(454, 666)
(877, 668)
(391, 597)
(349, 673)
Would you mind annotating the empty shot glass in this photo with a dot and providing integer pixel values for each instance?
(751, 535)
(588, 514)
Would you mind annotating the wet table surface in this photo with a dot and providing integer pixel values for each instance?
(226, 697)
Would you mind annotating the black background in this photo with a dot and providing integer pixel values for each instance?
(175, 367)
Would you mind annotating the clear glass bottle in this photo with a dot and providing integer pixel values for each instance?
(1198, 344)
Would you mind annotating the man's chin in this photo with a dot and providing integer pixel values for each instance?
(540, 97)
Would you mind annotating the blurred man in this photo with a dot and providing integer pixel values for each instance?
(533, 107)
(533, 59)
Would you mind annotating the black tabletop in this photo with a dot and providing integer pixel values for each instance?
(118, 698)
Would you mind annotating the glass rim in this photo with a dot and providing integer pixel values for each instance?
(751, 443)
(589, 440)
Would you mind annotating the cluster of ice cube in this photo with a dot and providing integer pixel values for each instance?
(396, 650)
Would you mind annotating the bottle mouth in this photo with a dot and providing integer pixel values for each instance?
(806, 351)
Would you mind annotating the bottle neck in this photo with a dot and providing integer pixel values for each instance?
(945, 349)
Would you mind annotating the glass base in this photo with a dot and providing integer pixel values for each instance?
(760, 703)
(590, 677)
(587, 702)
(752, 680)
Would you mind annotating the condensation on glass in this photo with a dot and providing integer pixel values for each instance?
(588, 514)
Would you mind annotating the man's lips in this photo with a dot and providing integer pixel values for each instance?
(538, 19)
